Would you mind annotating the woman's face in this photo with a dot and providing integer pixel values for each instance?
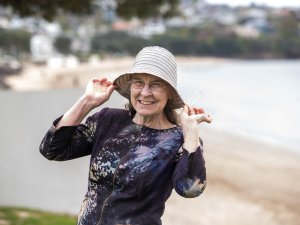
(148, 94)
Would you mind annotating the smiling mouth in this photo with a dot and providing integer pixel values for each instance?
(146, 102)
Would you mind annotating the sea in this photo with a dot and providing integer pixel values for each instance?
(253, 98)
(258, 99)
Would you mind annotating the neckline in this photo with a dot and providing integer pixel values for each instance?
(150, 128)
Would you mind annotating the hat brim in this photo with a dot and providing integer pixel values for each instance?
(122, 87)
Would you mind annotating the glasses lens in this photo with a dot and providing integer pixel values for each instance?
(138, 84)
(154, 86)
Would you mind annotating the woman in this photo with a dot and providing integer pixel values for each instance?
(138, 155)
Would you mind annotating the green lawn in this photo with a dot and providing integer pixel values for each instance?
(22, 216)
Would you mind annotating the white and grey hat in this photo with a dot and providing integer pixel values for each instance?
(156, 61)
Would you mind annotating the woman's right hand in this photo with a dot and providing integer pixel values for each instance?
(98, 91)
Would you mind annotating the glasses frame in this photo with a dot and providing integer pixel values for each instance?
(160, 88)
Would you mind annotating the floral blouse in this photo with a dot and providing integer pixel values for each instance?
(133, 168)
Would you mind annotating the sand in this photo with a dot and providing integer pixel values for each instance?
(249, 182)
(41, 77)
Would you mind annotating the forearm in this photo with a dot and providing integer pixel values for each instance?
(189, 178)
(68, 142)
(191, 138)
(76, 113)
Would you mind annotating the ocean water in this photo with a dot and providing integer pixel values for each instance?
(254, 98)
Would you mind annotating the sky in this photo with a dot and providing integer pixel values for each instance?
(273, 3)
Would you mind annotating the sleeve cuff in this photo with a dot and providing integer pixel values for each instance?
(64, 130)
(191, 165)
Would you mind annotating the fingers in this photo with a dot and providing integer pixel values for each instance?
(198, 114)
(97, 80)
(208, 119)
(194, 110)
(199, 110)
(110, 89)
(203, 118)
(102, 81)
(191, 111)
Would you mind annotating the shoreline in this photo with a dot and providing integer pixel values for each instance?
(43, 77)
(270, 142)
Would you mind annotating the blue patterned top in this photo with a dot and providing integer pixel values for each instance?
(133, 168)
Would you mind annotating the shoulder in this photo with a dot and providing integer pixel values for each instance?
(112, 113)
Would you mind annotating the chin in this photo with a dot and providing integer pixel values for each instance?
(146, 112)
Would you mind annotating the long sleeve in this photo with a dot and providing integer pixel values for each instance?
(69, 142)
(189, 177)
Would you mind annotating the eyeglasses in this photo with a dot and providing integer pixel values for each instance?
(153, 86)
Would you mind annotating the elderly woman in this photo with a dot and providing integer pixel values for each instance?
(138, 154)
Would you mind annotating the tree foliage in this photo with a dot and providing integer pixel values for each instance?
(48, 9)
(63, 44)
(14, 40)
(186, 41)
(147, 8)
(288, 35)
(117, 42)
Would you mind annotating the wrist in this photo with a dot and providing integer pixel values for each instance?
(88, 102)
(191, 143)
(81, 108)
(191, 140)
(75, 114)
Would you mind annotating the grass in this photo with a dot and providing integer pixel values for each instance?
(23, 216)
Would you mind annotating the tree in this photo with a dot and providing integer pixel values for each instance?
(48, 9)
(147, 8)
(13, 41)
(63, 44)
(287, 40)
(119, 42)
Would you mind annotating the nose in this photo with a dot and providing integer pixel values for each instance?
(146, 91)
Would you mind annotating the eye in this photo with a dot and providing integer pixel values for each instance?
(156, 85)
(138, 83)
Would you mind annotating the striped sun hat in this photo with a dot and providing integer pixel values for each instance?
(156, 61)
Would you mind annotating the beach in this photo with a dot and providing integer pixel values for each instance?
(45, 77)
(249, 181)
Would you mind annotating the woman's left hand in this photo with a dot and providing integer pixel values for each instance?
(189, 119)
(199, 114)
(191, 116)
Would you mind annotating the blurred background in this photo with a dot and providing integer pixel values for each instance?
(239, 60)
